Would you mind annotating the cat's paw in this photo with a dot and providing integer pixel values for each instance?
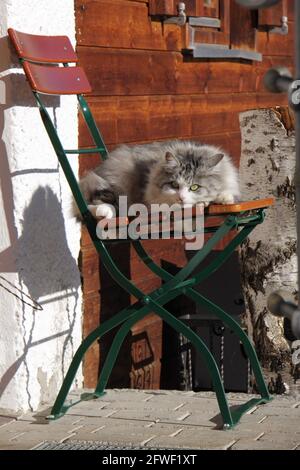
(102, 211)
(224, 198)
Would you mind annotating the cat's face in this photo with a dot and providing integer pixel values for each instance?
(189, 179)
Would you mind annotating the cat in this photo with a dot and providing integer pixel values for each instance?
(184, 172)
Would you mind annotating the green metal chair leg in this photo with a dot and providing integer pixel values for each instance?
(212, 367)
(227, 319)
(224, 254)
(210, 269)
(223, 230)
(114, 351)
(230, 419)
(115, 272)
(121, 334)
(59, 408)
(249, 349)
(189, 334)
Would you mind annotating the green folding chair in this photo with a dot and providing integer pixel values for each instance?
(46, 60)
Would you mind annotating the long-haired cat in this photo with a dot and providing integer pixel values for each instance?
(170, 172)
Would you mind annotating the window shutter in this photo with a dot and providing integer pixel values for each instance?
(211, 8)
(242, 27)
(269, 18)
(208, 8)
(163, 7)
(193, 7)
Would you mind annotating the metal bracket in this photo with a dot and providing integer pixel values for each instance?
(218, 51)
(283, 29)
(205, 22)
(181, 18)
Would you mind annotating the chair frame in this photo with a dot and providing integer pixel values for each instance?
(244, 216)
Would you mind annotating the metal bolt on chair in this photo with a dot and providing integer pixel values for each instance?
(46, 61)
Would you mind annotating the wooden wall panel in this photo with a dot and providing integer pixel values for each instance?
(273, 45)
(136, 73)
(142, 119)
(144, 89)
(162, 7)
(159, 73)
(123, 24)
(271, 17)
(243, 33)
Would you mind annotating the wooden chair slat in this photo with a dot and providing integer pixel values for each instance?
(48, 49)
(57, 80)
(239, 207)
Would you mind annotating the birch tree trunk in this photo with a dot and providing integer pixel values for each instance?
(268, 257)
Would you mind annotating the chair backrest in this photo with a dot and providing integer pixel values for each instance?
(46, 60)
(36, 51)
(46, 49)
(56, 80)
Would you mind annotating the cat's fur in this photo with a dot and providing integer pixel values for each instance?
(150, 173)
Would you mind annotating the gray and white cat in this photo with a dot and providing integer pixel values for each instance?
(183, 172)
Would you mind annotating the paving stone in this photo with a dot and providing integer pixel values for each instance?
(269, 410)
(22, 445)
(281, 424)
(5, 420)
(278, 437)
(92, 410)
(202, 439)
(28, 439)
(172, 417)
(129, 432)
(246, 444)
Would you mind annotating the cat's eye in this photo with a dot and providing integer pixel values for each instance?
(194, 187)
(175, 185)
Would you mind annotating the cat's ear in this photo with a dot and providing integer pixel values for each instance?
(171, 160)
(215, 159)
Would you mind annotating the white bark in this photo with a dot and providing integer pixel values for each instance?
(268, 258)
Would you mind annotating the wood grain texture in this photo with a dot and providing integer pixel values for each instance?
(162, 7)
(271, 17)
(243, 33)
(145, 73)
(123, 24)
(243, 206)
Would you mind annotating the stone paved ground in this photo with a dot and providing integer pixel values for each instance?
(167, 419)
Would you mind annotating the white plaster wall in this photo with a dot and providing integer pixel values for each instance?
(39, 238)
